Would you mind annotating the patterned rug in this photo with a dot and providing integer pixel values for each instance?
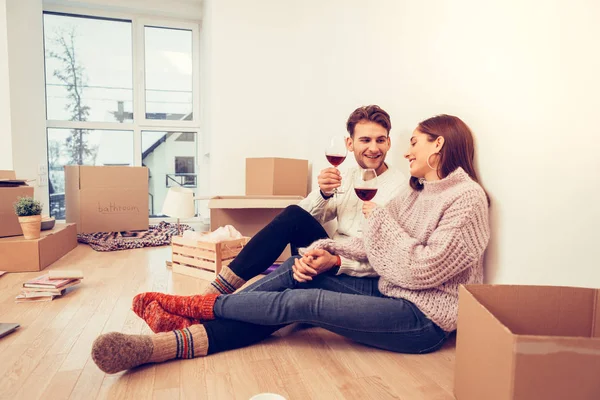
(156, 235)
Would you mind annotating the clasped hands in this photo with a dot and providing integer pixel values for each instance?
(313, 263)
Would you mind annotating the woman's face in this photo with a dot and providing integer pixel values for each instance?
(419, 150)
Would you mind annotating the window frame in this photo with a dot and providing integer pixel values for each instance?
(140, 123)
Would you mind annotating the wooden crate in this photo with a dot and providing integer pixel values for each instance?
(203, 260)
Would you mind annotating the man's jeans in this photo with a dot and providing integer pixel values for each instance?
(349, 306)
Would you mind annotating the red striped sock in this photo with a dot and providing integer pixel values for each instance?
(197, 307)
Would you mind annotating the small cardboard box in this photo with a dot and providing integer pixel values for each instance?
(9, 222)
(276, 177)
(527, 343)
(203, 259)
(107, 199)
(22, 255)
(249, 214)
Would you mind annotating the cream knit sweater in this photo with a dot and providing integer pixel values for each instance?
(424, 244)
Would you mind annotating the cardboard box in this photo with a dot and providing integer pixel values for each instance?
(9, 222)
(527, 343)
(276, 177)
(106, 199)
(203, 259)
(249, 214)
(22, 255)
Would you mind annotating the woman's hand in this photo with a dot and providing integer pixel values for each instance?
(368, 208)
(313, 263)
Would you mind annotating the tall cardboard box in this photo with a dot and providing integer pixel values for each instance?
(249, 214)
(276, 177)
(9, 222)
(106, 199)
(22, 255)
(527, 343)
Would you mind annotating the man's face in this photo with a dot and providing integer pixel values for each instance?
(370, 144)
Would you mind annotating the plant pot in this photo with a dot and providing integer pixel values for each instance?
(31, 226)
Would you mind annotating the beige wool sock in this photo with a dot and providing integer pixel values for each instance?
(114, 352)
(226, 282)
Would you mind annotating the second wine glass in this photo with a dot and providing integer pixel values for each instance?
(365, 185)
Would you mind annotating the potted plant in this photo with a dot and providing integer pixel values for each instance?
(29, 212)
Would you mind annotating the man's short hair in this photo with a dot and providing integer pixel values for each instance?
(370, 113)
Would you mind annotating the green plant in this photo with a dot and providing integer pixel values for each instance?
(27, 206)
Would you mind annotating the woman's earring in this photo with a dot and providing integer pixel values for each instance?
(429, 165)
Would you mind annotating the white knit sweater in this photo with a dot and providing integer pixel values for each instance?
(425, 244)
(347, 208)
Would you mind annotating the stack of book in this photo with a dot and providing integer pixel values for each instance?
(49, 286)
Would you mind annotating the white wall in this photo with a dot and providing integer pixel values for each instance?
(27, 102)
(280, 76)
(6, 161)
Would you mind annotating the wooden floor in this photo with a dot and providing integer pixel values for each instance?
(49, 356)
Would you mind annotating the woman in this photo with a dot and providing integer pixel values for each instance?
(423, 244)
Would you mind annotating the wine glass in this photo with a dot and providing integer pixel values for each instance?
(365, 185)
(336, 153)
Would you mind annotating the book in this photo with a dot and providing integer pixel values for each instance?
(45, 282)
(23, 299)
(65, 274)
(33, 292)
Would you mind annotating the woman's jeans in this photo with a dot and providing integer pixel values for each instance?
(349, 306)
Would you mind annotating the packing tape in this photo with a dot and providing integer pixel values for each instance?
(537, 348)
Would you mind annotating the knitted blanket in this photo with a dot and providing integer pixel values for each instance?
(156, 235)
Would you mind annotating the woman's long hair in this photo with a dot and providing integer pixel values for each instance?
(458, 149)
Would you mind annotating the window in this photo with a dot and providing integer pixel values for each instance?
(170, 162)
(122, 91)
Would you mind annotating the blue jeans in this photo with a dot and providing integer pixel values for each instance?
(349, 306)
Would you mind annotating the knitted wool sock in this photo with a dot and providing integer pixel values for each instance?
(114, 352)
(161, 321)
(226, 282)
(197, 307)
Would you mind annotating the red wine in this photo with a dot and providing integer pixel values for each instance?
(335, 160)
(365, 194)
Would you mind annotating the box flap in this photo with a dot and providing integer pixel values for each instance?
(113, 177)
(72, 194)
(234, 202)
(539, 310)
(8, 174)
(482, 370)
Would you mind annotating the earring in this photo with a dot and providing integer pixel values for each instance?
(429, 165)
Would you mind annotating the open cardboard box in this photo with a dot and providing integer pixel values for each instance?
(249, 214)
(9, 222)
(527, 343)
(107, 199)
(22, 255)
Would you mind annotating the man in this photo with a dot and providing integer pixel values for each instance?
(299, 226)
